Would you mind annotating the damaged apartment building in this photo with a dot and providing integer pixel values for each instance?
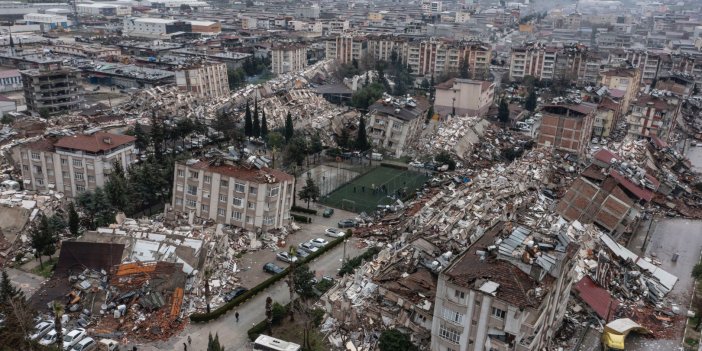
(395, 123)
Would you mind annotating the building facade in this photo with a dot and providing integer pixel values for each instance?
(394, 125)
(653, 116)
(52, 88)
(231, 193)
(465, 96)
(288, 58)
(72, 164)
(625, 81)
(49, 21)
(208, 79)
(346, 48)
(10, 80)
(89, 51)
(567, 127)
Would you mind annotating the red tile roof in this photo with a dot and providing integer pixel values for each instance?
(639, 192)
(660, 143)
(606, 156)
(597, 298)
(252, 174)
(97, 142)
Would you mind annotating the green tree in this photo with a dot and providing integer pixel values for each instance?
(97, 208)
(256, 129)
(117, 188)
(248, 123)
(58, 310)
(362, 143)
(264, 124)
(158, 136)
(7, 290)
(276, 140)
(430, 114)
(213, 343)
(296, 150)
(142, 138)
(44, 113)
(18, 318)
(344, 139)
(503, 111)
(73, 219)
(445, 158)
(530, 103)
(269, 315)
(697, 271)
(395, 340)
(304, 283)
(289, 130)
(424, 84)
(43, 240)
(316, 146)
(309, 192)
(464, 69)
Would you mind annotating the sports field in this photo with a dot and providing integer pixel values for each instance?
(379, 186)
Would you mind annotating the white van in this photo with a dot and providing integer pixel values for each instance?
(376, 156)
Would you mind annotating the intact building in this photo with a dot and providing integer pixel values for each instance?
(465, 96)
(394, 125)
(346, 48)
(72, 164)
(207, 79)
(233, 193)
(567, 127)
(288, 58)
(624, 81)
(52, 88)
(506, 292)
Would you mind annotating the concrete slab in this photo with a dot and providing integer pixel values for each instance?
(28, 282)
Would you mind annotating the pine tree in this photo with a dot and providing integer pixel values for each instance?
(256, 130)
(73, 219)
(361, 138)
(248, 124)
(503, 111)
(116, 188)
(309, 192)
(264, 124)
(7, 290)
(465, 74)
(142, 139)
(289, 130)
(530, 103)
(213, 343)
(344, 138)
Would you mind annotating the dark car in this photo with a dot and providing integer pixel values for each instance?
(302, 254)
(328, 213)
(234, 293)
(272, 268)
(347, 223)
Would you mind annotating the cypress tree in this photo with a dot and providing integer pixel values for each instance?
(264, 124)
(248, 124)
(289, 131)
(256, 122)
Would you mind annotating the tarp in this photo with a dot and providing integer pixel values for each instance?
(615, 332)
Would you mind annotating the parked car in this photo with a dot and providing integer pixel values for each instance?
(234, 293)
(416, 164)
(319, 242)
(108, 345)
(334, 233)
(272, 268)
(347, 223)
(308, 247)
(41, 329)
(328, 212)
(285, 257)
(72, 338)
(51, 337)
(302, 254)
(86, 344)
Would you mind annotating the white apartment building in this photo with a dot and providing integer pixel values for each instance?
(10, 80)
(394, 125)
(72, 164)
(208, 79)
(233, 193)
(150, 27)
(288, 58)
(467, 97)
(107, 10)
(48, 20)
(345, 48)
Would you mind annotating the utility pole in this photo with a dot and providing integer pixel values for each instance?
(75, 14)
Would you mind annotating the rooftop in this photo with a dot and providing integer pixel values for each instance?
(405, 113)
(581, 109)
(243, 172)
(97, 142)
(449, 84)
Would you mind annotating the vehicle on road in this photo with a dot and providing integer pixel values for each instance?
(72, 338)
(347, 223)
(334, 233)
(319, 242)
(272, 268)
(308, 247)
(285, 257)
(41, 329)
(328, 212)
(234, 293)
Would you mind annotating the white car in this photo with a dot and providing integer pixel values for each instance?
(334, 233)
(308, 247)
(51, 337)
(319, 242)
(86, 344)
(72, 338)
(41, 329)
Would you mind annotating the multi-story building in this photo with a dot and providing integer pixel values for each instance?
(504, 292)
(164, 28)
(52, 88)
(72, 164)
(49, 21)
(653, 116)
(288, 58)
(346, 48)
(244, 195)
(535, 60)
(10, 80)
(207, 79)
(396, 124)
(567, 127)
(107, 10)
(622, 81)
(606, 117)
(465, 96)
(89, 51)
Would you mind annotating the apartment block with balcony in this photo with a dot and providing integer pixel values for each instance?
(625, 81)
(567, 127)
(288, 58)
(72, 164)
(653, 116)
(206, 79)
(233, 193)
(346, 48)
(52, 88)
(465, 96)
(504, 292)
(396, 124)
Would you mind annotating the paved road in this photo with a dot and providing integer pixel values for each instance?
(28, 282)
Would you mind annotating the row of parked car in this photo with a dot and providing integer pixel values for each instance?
(303, 250)
(75, 340)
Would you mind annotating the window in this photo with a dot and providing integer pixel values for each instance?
(274, 191)
(179, 187)
(192, 189)
(459, 294)
(77, 163)
(65, 174)
(251, 205)
(205, 208)
(89, 165)
(268, 220)
(179, 201)
(40, 181)
(249, 220)
(239, 187)
(236, 216)
(35, 155)
(79, 176)
(453, 316)
(208, 179)
(80, 188)
(224, 183)
(253, 190)
(25, 168)
(222, 198)
(449, 334)
(194, 174)
(191, 203)
(37, 169)
(91, 179)
(181, 173)
(496, 312)
(237, 201)
(220, 211)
